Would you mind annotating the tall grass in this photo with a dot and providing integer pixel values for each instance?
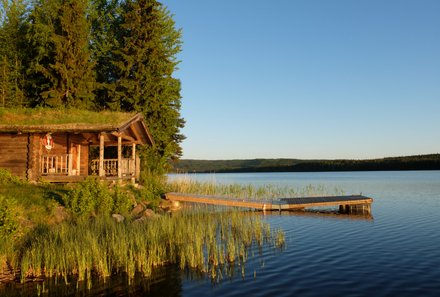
(185, 184)
(202, 240)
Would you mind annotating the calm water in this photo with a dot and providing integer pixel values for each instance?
(396, 253)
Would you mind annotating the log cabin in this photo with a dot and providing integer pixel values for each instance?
(69, 145)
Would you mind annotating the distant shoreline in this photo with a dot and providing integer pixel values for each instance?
(418, 162)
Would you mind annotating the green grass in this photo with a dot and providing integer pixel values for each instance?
(48, 116)
(34, 204)
(88, 244)
(187, 185)
(202, 240)
(24, 206)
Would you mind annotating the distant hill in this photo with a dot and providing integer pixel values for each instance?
(419, 162)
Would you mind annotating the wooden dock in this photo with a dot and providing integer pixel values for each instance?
(346, 204)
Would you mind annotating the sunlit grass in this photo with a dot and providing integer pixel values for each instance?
(46, 116)
(184, 184)
(202, 240)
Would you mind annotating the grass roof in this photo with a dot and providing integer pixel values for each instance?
(48, 116)
(43, 117)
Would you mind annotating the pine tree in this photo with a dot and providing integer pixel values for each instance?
(12, 53)
(145, 62)
(61, 70)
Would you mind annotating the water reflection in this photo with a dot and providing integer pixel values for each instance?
(166, 281)
(324, 213)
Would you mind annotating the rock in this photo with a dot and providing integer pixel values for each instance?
(148, 213)
(137, 209)
(165, 204)
(118, 218)
(170, 206)
(176, 205)
(60, 214)
(140, 220)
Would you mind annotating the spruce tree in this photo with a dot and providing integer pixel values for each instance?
(61, 69)
(145, 61)
(12, 42)
(105, 21)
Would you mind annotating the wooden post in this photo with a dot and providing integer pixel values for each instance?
(138, 168)
(78, 160)
(133, 157)
(119, 156)
(69, 164)
(101, 155)
(69, 157)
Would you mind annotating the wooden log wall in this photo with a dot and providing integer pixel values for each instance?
(34, 155)
(14, 153)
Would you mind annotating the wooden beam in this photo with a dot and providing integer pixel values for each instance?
(91, 137)
(101, 155)
(119, 156)
(78, 160)
(125, 136)
(133, 157)
(69, 164)
(136, 133)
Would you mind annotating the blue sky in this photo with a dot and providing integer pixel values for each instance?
(309, 78)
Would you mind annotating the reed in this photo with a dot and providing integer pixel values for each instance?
(201, 240)
(184, 184)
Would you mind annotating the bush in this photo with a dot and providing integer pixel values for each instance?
(153, 186)
(93, 197)
(8, 217)
(7, 178)
(89, 197)
(122, 202)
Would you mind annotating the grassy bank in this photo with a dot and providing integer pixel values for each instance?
(199, 240)
(68, 232)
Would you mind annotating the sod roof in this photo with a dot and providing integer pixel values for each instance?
(42, 119)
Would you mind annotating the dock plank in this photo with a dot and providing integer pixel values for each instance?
(273, 204)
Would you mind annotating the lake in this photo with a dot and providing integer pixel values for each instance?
(396, 252)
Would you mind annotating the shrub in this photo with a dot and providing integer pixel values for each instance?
(154, 186)
(93, 197)
(122, 202)
(89, 197)
(8, 217)
(7, 178)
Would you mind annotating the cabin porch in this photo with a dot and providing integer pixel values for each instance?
(76, 166)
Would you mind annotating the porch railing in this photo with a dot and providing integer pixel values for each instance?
(128, 167)
(56, 164)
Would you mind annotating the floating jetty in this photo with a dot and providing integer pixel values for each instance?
(347, 204)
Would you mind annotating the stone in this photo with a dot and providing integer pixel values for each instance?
(140, 220)
(137, 209)
(176, 205)
(118, 218)
(149, 213)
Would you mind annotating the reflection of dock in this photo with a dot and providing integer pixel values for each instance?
(325, 214)
(356, 204)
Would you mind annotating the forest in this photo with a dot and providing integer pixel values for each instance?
(117, 55)
(418, 162)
